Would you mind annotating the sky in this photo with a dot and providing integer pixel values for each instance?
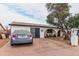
(30, 12)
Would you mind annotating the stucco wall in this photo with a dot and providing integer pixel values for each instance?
(42, 31)
(13, 28)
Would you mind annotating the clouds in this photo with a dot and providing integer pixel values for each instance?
(35, 12)
(21, 12)
(74, 8)
(4, 15)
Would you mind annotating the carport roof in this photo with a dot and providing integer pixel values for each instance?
(31, 25)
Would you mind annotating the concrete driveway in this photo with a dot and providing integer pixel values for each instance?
(41, 47)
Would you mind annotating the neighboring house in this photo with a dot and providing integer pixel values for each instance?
(37, 30)
(2, 31)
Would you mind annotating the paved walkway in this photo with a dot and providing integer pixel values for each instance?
(41, 47)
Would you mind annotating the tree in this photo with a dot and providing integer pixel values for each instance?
(73, 21)
(60, 11)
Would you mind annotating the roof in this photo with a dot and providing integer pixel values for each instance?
(31, 24)
(3, 32)
(2, 27)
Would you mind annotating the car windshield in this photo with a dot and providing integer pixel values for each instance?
(21, 32)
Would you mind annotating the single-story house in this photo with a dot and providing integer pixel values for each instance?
(37, 30)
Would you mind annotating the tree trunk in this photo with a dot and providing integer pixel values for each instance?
(67, 36)
(65, 30)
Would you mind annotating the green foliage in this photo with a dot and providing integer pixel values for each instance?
(61, 12)
(57, 10)
(74, 21)
(50, 19)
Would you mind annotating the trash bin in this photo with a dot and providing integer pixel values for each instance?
(74, 38)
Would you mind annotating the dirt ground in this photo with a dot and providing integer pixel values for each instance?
(40, 47)
(3, 42)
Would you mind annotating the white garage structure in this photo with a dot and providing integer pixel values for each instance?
(37, 30)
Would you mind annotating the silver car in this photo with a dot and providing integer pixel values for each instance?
(21, 37)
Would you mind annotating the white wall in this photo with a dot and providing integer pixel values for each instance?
(42, 31)
(13, 28)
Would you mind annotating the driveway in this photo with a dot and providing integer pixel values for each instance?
(41, 47)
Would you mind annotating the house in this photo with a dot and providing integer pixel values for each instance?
(2, 31)
(37, 30)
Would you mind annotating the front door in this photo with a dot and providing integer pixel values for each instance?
(37, 32)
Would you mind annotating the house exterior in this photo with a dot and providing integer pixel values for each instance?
(37, 30)
(2, 31)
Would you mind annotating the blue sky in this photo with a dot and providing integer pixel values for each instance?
(35, 12)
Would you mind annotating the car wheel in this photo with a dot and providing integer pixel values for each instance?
(31, 42)
(11, 44)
